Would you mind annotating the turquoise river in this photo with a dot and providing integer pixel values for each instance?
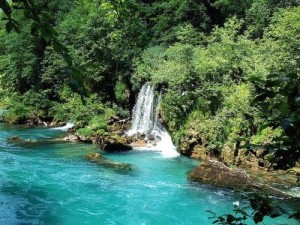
(52, 183)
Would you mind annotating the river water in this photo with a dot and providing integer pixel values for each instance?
(53, 183)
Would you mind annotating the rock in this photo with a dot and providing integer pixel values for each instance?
(100, 160)
(157, 138)
(57, 124)
(113, 146)
(14, 139)
(217, 174)
(112, 143)
(20, 141)
(112, 120)
(295, 171)
(116, 125)
(140, 136)
(71, 137)
(150, 137)
(139, 143)
(201, 153)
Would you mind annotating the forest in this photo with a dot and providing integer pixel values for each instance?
(229, 76)
(229, 69)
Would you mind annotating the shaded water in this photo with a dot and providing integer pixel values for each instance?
(52, 183)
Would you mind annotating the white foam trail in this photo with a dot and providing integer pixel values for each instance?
(64, 128)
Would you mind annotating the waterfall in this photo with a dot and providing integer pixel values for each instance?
(64, 128)
(146, 121)
(142, 121)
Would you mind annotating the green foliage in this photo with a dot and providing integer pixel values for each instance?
(29, 106)
(85, 132)
(267, 135)
(122, 93)
(98, 122)
(229, 69)
(260, 206)
(18, 114)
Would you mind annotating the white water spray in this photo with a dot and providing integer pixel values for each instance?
(146, 121)
(64, 128)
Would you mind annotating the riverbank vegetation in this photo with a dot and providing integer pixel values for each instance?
(229, 70)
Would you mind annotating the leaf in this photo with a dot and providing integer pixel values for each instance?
(211, 212)
(274, 215)
(18, 7)
(34, 29)
(258, 217)
(9, 26)
(238, 210)
(230, 218)
(67, 58)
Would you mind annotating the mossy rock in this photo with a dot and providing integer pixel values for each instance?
(101, 160)
(112, 143)
(217, 174)
(14, 139)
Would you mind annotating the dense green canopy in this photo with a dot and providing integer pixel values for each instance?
(229, 68)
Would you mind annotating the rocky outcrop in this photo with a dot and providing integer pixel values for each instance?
(101, 160)
(192, 145)
(217, 174)
(72, 138)
(112, 143)
(19, 141)
(118, 126)
(14, 139)
(244, 158)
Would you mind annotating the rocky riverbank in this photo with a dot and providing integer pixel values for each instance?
(217, 174)
(258, 171)
(261, 165)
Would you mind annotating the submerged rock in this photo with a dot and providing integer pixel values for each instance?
(18, 140)
(101, 160)
(14, 139)
(28, 143)
(217, 174)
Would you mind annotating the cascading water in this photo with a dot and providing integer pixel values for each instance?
(146, 121)
(65, 127)
(143, 111)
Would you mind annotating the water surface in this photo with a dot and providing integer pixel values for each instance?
(53, 183)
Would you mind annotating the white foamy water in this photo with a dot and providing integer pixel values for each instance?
(142, 120)
(146, 121)
(64, 128)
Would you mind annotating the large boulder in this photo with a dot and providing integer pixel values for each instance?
(112, 143)
(217, 174)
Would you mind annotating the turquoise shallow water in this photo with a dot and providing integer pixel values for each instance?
(52, 183)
